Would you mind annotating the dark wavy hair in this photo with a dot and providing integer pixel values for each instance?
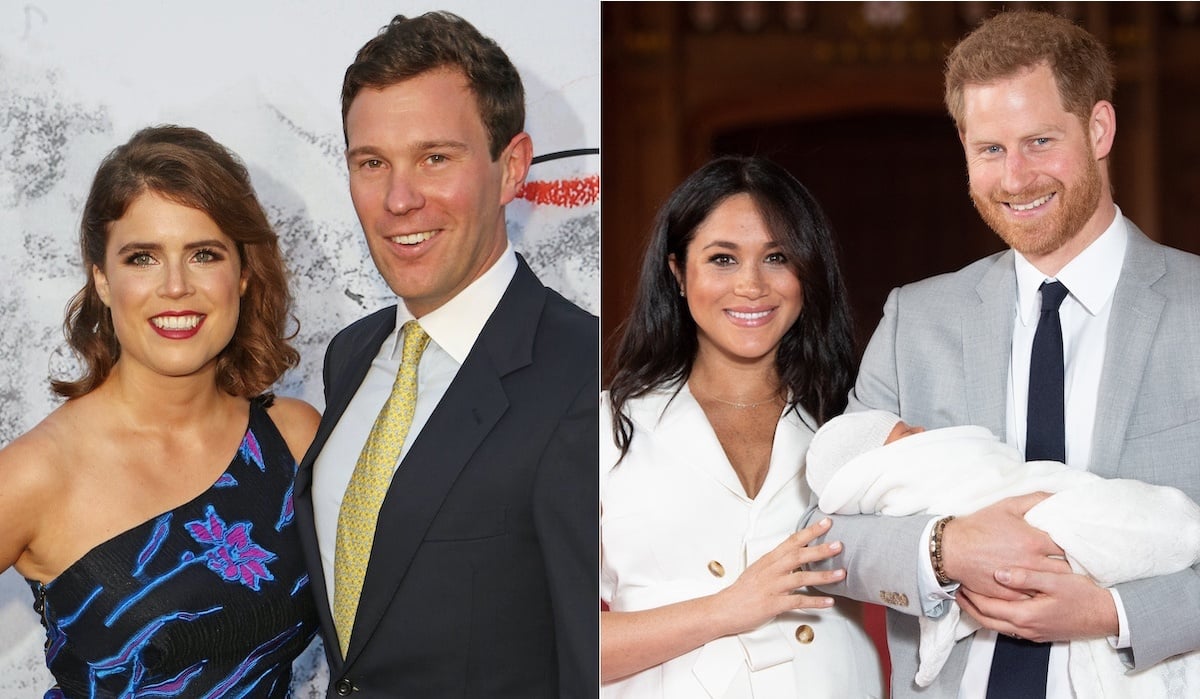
(408, 47)
(186, 166)
(658, 344)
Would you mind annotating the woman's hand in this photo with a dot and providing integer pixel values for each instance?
(773, 584)
(633, 641)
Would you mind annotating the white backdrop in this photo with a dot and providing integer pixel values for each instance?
(263, 77)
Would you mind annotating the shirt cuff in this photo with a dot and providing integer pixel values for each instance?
(1121, 640)
(935, 599)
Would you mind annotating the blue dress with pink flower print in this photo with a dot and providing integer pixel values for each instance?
(210, 599)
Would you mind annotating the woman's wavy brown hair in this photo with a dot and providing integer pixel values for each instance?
(186, 166)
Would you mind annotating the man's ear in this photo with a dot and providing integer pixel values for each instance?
(1102, 128)
(100, 279)
(515, 159)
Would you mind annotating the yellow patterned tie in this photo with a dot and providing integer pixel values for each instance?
(369, 483)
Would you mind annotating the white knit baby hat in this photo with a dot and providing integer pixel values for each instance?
(843, 438)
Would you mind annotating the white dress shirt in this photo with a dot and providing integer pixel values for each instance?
(1091, 278)
(453, 329)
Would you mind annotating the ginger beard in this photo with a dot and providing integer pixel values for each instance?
(1044, 234)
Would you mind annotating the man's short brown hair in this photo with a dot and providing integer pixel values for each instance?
(1010, 43)
(408, 47)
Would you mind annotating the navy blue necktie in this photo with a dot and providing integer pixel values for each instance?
(1019, 666)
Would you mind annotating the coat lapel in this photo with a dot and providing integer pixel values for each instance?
(1136, 310)
(687, 426)
(342, 381)
(788, 450)
(985, 361)
(676, 418)
(473, 405)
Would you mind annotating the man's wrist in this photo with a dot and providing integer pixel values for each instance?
(936, 551)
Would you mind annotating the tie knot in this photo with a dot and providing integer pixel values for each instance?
(415, 340)
(1053, 294)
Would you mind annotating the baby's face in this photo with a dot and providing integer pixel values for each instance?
(902, 430)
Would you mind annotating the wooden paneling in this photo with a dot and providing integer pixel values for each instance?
(849, 96)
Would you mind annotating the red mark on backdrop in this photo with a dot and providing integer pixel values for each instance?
(572, 193)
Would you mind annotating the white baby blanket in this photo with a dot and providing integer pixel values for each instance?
(1111, 530)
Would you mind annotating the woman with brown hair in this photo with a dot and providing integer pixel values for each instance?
(151, 512)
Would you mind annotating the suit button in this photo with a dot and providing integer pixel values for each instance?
(716, 569)
(893, 599)
(344, 687)
(804, 633)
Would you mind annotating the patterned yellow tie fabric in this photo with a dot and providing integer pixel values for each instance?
(369, 483)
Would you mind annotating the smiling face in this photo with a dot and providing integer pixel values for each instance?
(741, 289)
(428, 195)
(1035, 169)
(173, 283)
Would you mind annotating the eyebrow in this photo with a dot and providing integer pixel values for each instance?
(196, 245)
(1042, 131)
(419, 146)
(729, 245)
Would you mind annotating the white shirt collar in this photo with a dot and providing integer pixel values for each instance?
(456, 324)
(1091, 277)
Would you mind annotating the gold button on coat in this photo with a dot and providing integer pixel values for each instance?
(804, 633)
(716, 569)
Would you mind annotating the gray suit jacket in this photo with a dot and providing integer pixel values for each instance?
(940, 357)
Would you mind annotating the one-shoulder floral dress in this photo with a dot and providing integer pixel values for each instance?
(210, 599)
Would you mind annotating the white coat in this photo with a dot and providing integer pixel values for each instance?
(676, 524)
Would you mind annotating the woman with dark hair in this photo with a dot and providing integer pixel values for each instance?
(737, 348)
(151, 512)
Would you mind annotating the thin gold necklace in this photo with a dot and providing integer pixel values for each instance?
(773, 398)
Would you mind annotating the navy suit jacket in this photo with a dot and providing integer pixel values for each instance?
(482, 579)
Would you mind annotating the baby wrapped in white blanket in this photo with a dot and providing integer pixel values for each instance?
(1112, 530)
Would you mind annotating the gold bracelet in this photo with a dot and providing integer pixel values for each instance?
(935, 551)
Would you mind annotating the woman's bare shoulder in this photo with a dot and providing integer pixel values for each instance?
(34, 455)
(297, 422)
(33, 469)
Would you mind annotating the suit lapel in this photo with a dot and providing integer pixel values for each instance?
(792, 437)
(473, 404)
(345, 374)
(985, 361)
(687, 426)
(1136, 310)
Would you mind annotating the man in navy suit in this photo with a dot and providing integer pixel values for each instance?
(481, 580)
